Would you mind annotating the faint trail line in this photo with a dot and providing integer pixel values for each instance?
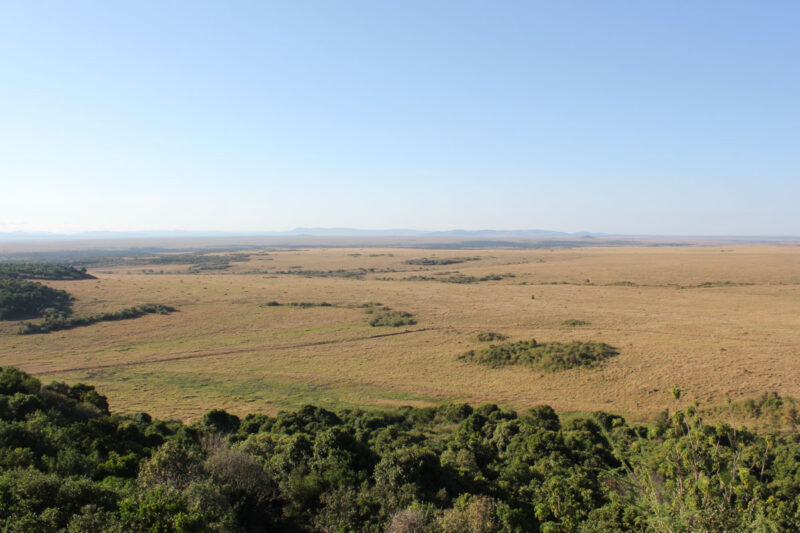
(229, 352)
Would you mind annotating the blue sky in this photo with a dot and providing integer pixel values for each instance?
(621, 117)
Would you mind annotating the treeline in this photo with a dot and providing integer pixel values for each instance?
(457, 278)
(430, 261)
(197, 259)
(68, 464)
(357, 273)
(21, 299)
(548, 356)
(43, 271)
(58, 321)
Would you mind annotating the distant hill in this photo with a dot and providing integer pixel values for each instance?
(21, 236)
(584, 237)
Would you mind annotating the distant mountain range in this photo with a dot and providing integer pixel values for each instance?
(22, 236)
(487, 234)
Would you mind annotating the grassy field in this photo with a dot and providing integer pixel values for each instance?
(717, 321)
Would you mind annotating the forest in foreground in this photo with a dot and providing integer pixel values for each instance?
(68, 464)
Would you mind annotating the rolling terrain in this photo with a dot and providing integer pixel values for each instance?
(717, 321)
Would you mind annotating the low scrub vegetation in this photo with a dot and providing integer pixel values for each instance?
(302, 305)
(54, 321)
(28, 299)
(385, 316)
(460, 278)
(196, 259)
(548, 356)
(770, 410)
(68, 464)
(574, 322)
(489, 336)
(357, 273)
(43, 271)
(431, 261)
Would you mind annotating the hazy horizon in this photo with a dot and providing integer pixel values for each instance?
(322, 232)
(625, 119)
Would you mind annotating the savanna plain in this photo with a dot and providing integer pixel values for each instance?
(273, 329)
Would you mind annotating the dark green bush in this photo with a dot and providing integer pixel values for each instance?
(391, 318)
(44, 271)
(549, 356)
(28, 299)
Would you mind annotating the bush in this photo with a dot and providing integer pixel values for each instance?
(430, 261)
(392, 318)
(488, 336)
(29, 299)
(42, 271)
(549, 356)
(574, 322)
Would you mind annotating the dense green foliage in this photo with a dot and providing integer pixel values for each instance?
(29, 299)
(67, 464)
(42, 271)
(550, 356)
(430, 261)
(54, 321)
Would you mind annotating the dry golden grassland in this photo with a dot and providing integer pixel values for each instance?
(225, 349)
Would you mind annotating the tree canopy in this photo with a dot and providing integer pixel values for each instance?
(68, 464)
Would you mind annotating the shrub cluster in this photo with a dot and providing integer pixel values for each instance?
(29, 299)
(42, 271)
(460, 278)
(489, 336)
(385, 316)
(59, 321)
(431, 261)
(67, 464)
(548, 356)
(574, 322)
(357, 273)
(302, 305)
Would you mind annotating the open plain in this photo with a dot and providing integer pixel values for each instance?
(717, 321)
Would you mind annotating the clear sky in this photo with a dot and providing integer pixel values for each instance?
(678, 117)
